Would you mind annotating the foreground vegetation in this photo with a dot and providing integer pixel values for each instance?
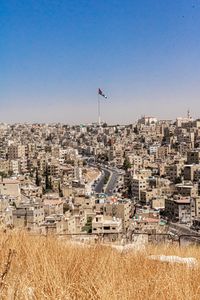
(34, 267)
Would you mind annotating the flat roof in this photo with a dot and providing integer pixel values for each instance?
(9, 181)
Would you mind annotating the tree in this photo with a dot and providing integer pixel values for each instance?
(65, 207)
(3, 174)
(47, 181)
(178, 180)
(84, 163)
(10, 173)
(126, 164)
(135, 130)
(88, 225)
(106, 178)
(47, 184)
(60, 190)
(37, 178)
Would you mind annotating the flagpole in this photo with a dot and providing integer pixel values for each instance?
(99, 111)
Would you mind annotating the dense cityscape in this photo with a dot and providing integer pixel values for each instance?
(99, 150)
(99, 181)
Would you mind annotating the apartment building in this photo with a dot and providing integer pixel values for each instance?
(4, 166)
(193, 157)
(138, 184)
(180, 209)
(187, 189)
(16, 151)
(120, 209)
(52, 205)
(173, 171)
(28, 215)
(191, 172)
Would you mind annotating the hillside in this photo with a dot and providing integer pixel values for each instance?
(34, 267)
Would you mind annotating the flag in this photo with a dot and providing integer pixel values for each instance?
(102, 94)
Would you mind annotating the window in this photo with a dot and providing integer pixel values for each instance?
(106, 228)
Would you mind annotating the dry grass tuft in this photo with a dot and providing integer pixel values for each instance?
(47, 268)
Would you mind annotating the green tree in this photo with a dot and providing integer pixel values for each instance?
(10, 173)
(47, 180)
(60, 190)
(178, 180)
(106, 178)
(37, 178)
(126, 164)
(88, 225)
(135, 130)
(65, 207)
(3, 174)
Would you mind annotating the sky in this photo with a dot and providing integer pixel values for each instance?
(54, 55)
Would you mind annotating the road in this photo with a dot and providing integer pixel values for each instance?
(111, 182)
(100, 184)
(113, 175)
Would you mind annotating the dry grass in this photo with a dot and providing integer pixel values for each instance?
(48, 268)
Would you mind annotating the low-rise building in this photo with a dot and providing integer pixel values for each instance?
(10, 187)
(106, 225)
(180, 209)
(28, 215)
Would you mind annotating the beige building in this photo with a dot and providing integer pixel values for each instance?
(138, 184)
(147, 196)
(106, 225)
(162, 152)
(136, 161)
(14, 167)
(29, 216)
(54, 224)
(158, 203)
(181, 209)
(74, 224)
(31, 191)
(16, 151)
(120, 209)
(54, 169)
(191, 172)
(10, 188)
(52, 205)
(197, 206)
(4, 166)
(187, 189)
(173, 171)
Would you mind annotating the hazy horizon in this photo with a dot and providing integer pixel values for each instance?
(54, 56)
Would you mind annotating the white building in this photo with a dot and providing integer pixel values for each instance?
(106, 224)
(138, 184)
(145, 120)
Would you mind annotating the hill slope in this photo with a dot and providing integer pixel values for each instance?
(47, 268)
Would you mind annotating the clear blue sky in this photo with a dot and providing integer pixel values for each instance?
(144, 54)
